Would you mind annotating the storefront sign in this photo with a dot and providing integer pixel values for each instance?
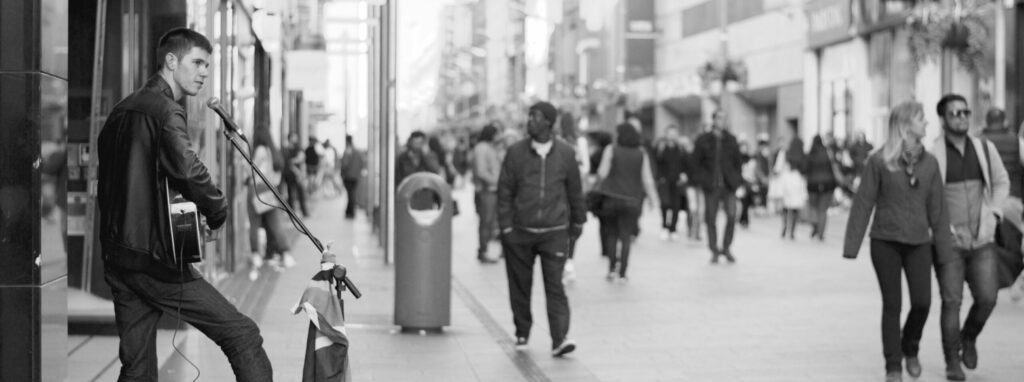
(828, 22)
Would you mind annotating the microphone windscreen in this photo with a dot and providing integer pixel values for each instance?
(213, 103)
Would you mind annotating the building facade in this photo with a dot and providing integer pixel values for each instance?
(767, 38)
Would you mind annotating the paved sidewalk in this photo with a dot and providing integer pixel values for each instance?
(786, 311)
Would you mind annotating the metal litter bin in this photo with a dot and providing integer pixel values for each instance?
(423, 253)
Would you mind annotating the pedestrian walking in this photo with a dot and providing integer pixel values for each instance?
(352, 168)
(294, 175)
(264, 213)
(486, 169)
(601, 140)
(540, 206)
(626, 178)
(789, 187)
(567, 131)
(902, 188)
(694, 193)
(1008, 145)
(822, 180)
(329, 170)
(668, 156)
(976, 186)
(717, 163)
(417, 157)
(751, 191)
(314, 154)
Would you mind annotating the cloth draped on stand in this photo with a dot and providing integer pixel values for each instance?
(327, 341)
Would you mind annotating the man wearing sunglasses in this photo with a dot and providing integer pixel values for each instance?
(976, 184)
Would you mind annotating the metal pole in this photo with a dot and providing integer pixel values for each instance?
(94, 130)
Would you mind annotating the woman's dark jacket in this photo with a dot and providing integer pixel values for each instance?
(819, 173)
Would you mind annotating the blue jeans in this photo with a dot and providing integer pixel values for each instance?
(979, 268)
(140, 301)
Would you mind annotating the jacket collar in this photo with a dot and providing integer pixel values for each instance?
(939, 150)
(157, 84)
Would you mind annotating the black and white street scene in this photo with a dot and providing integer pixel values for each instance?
(511, 190)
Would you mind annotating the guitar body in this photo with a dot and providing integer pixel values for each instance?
(186, 231)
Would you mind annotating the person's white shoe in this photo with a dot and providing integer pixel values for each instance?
(664, 235)
(289, 261)
(257, 263)
(569, 274)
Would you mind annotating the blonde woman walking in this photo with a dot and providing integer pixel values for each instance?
(903, 187)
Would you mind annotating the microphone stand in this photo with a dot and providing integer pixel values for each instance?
(339, 273)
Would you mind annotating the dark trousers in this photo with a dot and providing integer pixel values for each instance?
(296, 192)
(670, 198)
(522, 248)
(819, 202)
(622, 227)
(889, 258)
(979, 268)
(350, 193)
(604, 230)
(140, 301)
(277, 240)
(715, 199)
(487, 212)
(670, 218)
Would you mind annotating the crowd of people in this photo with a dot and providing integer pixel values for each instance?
(533, 195)
(298, 173)
(940, 205)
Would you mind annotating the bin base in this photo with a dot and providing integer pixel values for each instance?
(419, 330)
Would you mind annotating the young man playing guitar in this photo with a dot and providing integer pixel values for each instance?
(144, 146)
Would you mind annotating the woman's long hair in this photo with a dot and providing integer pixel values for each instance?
(262, 137)
(817, 146)
(627, 135)
(900, 120)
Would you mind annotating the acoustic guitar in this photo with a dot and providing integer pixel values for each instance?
(187, 233)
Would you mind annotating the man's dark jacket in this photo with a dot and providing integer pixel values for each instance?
(538, 194)
(703, 161)
(1009, 151)
(143, 142)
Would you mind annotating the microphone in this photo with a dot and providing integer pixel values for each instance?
(214, 104)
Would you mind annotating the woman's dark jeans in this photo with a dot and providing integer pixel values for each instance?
(979, 269)
(819, 202)
(889, 258)
(622, 219)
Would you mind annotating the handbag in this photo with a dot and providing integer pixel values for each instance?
(1008, 244)
(1011, 261)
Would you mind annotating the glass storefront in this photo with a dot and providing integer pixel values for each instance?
(130, 31)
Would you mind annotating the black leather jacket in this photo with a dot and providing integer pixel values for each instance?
(143, 142)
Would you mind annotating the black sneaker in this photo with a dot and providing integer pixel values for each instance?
(521, 343)
(970, 354)
(728, 256)
(566, 347)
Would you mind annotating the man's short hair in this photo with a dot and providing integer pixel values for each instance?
(417, 134)
(946, 99)
(180, 41)
(995, 115)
